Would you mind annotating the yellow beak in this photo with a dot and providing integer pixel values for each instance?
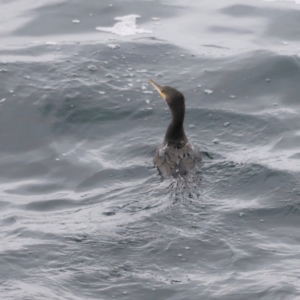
(157, 87)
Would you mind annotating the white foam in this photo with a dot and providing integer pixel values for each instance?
(50, 43)
(126, 25)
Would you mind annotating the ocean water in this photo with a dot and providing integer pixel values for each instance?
(83, 212)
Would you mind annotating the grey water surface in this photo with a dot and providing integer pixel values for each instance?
(83, 212)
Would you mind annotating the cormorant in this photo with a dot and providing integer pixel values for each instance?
(176, 156)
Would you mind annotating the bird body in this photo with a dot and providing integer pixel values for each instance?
(176, 161)
(176, 156)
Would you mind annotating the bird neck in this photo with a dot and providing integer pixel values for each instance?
(175, 133)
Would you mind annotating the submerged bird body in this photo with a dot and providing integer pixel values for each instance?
(176, 156)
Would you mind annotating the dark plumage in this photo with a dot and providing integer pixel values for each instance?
(176, 156)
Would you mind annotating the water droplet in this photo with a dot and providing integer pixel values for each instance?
(192, 126)
(208, 92)
(155, 19)
(109, 76)
(187, 248)
(179, 254)
(3, 71)
(268, 79)
(241, 214)
(147, 101)
(1, 101)
(101, 92)
(113, 46)
(159, 75)
(199, 85)
(76, 21)
(232, 96)
(262, 220)
(226, 124)
(216, 141)
(57, 159)
(11, 91)
(92, 68)
(285, 43)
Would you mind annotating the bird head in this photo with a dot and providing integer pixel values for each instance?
(173, 97)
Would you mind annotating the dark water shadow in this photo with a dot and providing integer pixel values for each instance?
(282, 23)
